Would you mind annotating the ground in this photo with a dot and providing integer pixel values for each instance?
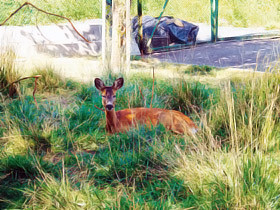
(57, 155)
(255, 54)
(60, 47)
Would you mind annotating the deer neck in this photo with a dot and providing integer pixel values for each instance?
(111, 121)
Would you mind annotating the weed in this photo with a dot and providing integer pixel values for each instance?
(71, 9)
(192, 97)
(199, 70)
(50, 81)
(8, 74)
(58, 155)
(18, 173)
(235, 13)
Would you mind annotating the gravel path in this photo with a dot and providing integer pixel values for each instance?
(59, 46)
(255, 54)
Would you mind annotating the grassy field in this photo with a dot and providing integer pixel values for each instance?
(245, 13)
(58, 155)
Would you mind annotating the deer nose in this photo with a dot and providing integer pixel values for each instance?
(109, 107)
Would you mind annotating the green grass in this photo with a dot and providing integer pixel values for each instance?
(8, 74)
(58, 155)
(246, 13)
(75, 10)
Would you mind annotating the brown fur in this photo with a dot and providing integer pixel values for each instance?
(170, 119)
(123, 120)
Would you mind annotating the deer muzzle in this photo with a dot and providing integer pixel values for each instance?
(109, 107)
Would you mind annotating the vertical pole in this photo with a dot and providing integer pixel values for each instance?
(153, 32)
(214, 20)
(103, 34)
(128, 35)
(140, 27)
(217, 18)
(116, 49)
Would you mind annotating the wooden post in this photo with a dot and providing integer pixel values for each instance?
(120, 36)
(214, 20)
(104, 34)
(128, 35)
(115, 53)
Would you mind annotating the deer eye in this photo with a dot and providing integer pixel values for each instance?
(114, 96)
(103, 96)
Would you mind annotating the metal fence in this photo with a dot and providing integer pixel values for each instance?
(218, 20)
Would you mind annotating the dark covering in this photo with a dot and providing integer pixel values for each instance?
(170, 31)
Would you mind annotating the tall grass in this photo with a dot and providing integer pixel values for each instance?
(75, 10)
(58, 155)
(246, 13)
(237, 168)
(250, 13)
(50, 81)
(8, 74)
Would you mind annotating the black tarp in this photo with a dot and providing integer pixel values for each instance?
(170, 31)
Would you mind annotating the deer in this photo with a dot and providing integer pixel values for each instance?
(122, 120)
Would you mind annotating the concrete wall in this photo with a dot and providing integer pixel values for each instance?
(56, 40)
(59, 47)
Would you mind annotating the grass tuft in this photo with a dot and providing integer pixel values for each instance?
(50, 81)
(8, 74)
(58, 154)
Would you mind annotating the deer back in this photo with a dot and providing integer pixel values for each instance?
(170, 119)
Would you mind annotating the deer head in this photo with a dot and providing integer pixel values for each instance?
(108, 92)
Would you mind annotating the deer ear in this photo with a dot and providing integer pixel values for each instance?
(99, 84)
(118, 83)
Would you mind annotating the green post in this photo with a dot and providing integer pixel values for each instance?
(153, 32)
(214, 20)
(140, 27)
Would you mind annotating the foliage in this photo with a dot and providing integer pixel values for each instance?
(49, 80)
(8, 74)
(58, 155)
(75, 10)
(246, 13)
